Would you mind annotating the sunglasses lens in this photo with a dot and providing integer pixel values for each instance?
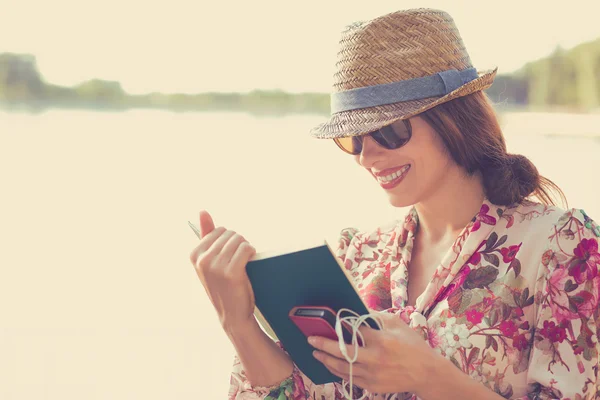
(350, 144)
(393, 136)
(390, 137)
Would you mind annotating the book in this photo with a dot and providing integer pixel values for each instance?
(312, 276)
(308, 276)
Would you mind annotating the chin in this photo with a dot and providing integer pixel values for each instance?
(401, 200)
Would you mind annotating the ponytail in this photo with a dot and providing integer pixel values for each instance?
(471, 133)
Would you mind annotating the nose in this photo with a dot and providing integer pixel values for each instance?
(371, 152)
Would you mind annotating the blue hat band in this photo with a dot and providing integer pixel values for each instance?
(435, 85)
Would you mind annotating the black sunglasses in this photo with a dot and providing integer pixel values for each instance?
(389, 137)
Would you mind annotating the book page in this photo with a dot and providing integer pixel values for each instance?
(295, 247)
(264, 324)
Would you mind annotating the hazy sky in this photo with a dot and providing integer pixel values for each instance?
(195, 46)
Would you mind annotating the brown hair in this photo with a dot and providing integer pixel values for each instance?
(471, 133)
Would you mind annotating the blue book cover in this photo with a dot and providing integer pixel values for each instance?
(313, 276)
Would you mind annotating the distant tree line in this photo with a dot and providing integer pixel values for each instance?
(567, 80)
(564, 80)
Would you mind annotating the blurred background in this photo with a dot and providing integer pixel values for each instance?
(120, 120)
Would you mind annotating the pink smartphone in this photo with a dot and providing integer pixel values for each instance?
(318, 321)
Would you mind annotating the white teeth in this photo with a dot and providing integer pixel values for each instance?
(393, 176)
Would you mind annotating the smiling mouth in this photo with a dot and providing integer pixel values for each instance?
(392, 180)
(393, 175)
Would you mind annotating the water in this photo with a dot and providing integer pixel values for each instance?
(98, 299)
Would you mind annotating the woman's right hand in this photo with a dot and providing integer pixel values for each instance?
(220, 261)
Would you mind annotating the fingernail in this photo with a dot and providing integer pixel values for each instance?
(312, 341)
(317, 355)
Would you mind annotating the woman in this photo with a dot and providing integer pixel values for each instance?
(484, 293)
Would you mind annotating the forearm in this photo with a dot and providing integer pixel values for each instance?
(447, 382)
(264, 362)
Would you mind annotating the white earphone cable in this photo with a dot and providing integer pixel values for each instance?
(354, 321)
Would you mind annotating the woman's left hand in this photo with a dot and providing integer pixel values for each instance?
(394, 360)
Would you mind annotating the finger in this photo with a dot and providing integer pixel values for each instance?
(216, 248)
(385, 320)
(332, 347)
(339, 367)
(206, 223)
(242, 255)
(369, 334)
(205, 243)
(230, 247)
(342, 375)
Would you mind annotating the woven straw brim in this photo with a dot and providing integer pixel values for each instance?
(365, 120)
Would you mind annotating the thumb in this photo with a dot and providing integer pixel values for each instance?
(206, 223)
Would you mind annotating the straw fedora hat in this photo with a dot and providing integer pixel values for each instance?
(396, 66)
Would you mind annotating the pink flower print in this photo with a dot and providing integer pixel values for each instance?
(510, 221)
(586, 261)
(445, 291)
(435, 341)
(483, 217)
(474, 316)
(405, 313)
(458, 281)
(374, 296)
(388, 271)
(442, 294)
(348, 264)
(559, 304)
(509, 253)
(558, 296)
(553, 332)
(410, 224)
(508, 328)
(488, 301)
(590, 300)
(373, 302)
(558, 334)
(520, 342)
(475, 259)
(518, 312)
(548, 326)
(299, 389)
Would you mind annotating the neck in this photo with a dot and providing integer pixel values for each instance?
(445, 212)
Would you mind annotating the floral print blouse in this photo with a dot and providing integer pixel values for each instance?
(513, 303)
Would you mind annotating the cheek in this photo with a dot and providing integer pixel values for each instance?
(440, 164)
(432, 166)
